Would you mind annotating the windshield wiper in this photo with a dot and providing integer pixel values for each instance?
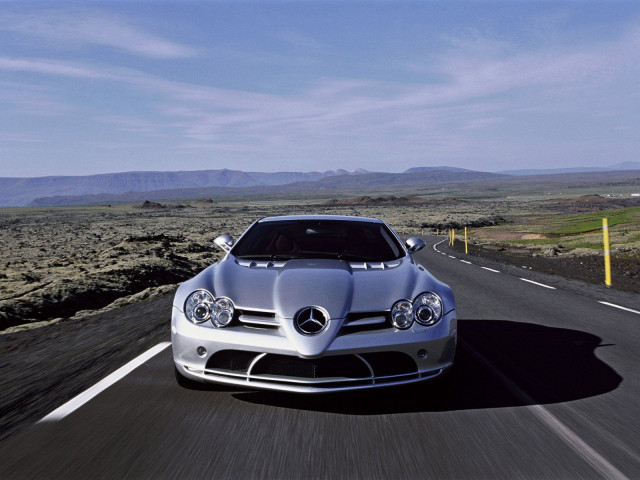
(267, 256)
(350, 257)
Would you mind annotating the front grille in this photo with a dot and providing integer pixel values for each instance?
(390, 363)
(365, 322)
(234, 360)
(258, 319)
(340, 366)
(257, 313)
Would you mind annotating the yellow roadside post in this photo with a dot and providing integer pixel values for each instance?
(607, 252)
(453, 236)
(466, 247)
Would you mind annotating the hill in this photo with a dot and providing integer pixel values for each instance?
(22, 191)
(348, 182)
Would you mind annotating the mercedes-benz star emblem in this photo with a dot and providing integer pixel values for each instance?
(311, 320)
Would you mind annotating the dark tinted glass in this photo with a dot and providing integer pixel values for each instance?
(347, 240)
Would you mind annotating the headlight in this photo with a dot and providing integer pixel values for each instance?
(401, 314)
(222, 312)
(201, 306)
(427, 308)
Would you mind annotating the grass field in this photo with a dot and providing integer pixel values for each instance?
(575, 233)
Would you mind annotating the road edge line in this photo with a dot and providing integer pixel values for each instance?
(537, 283)
(619, 306)
(79, 400)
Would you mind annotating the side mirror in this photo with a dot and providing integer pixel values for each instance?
(225, 242)
(414, 244)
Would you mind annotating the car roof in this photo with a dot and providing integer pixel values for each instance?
(341, 218)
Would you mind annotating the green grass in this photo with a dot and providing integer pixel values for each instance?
(587, 222)
(576, 231)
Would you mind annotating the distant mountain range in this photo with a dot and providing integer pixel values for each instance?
(331, 183)
(22, 191)
(138, 186)
(547, 171)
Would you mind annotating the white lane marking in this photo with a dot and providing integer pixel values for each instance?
(436, 244)
(76, 402)
(451, 256)
(539, 284)
(567, 435)
(464, 261)
(491, 269)
(620, 307)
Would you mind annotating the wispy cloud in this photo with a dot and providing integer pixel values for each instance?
(51, 67)
(9, 137)
(93, 27)
(483, 86)
(131, 124)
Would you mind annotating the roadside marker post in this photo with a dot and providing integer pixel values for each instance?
(607, 252)
(466, 247)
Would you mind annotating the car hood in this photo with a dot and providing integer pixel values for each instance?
(338, 286)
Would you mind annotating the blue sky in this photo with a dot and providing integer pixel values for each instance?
(98, 87)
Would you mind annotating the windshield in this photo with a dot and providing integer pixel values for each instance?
(346, 240)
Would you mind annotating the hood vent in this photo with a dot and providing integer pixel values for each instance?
(260, 264)
(374, 265)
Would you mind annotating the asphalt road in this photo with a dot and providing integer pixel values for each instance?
(546, 386)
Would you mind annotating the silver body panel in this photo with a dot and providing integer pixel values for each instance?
(357, 298)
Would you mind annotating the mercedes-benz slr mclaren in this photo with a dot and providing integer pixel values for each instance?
(314, 304)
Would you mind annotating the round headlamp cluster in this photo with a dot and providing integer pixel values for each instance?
(426, 309)
(201, 307)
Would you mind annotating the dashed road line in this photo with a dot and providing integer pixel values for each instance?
(620, 307)
(592, 457)
(535, 283)
(491, 269)
(76, 402)
(540, 284)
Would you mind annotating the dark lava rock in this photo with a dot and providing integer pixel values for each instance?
(149, 204)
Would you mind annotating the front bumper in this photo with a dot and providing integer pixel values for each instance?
(269, 358)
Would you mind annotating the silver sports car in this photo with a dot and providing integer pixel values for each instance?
(314, 304)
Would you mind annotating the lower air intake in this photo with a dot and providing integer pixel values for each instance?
(234, 360)
(339, 366)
